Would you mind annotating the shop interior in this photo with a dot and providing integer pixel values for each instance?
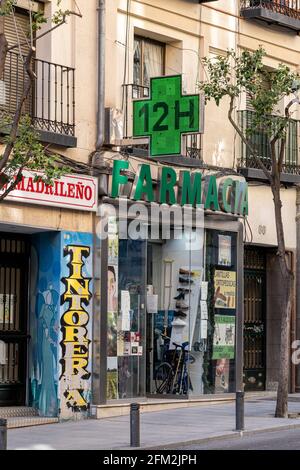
(171, 315)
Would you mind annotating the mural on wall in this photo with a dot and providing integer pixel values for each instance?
(44, 323)
(75, 324)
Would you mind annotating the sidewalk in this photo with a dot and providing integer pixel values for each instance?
(158, 429)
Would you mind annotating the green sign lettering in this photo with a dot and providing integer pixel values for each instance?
(117, 178)
(230, 196)
(168, 178)
(211, 193)
(190, 188)
(141, 189)
(166, 116)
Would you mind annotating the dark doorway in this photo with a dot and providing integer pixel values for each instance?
(255, 319)
(14, 267)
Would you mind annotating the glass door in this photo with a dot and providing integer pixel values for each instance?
(174, 276)
(126, 345)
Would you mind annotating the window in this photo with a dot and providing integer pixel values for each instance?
(148, 61)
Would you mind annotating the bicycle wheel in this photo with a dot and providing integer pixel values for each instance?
(164, 378)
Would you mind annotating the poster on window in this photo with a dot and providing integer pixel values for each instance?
(224, 337)
(224, 252)
(222, 376)
(225, 289)
(112, 378)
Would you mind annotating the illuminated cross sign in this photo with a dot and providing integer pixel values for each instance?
(166, 116)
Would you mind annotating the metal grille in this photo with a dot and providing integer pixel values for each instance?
(285, 7)
(51, 103)
(254, 322)
(14, 255)
(260, 143)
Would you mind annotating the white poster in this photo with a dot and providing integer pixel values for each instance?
(204, 312)
(152, 303)
(204, 290)
(203, 329)
(125, 310)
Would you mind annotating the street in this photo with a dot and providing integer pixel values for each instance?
(274, 440)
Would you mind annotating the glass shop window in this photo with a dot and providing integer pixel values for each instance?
(191, 315)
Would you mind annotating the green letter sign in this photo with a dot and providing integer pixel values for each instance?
(166, 115)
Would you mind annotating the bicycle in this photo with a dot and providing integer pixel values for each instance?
(173, 377)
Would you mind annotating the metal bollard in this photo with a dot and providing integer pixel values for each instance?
(135, 439)
(3, 434)
(240, 411)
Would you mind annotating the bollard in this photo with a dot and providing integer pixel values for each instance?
(135, 440)
(3, 434)
(239, 411)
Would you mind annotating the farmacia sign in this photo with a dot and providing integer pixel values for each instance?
(184, 188)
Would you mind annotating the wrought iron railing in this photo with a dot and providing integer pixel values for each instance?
(261, 143)
(51, 103)
(286, 7)
(192, 143)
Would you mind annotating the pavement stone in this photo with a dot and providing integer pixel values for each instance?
(159, 429)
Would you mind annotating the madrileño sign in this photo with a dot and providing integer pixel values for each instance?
(70, 192)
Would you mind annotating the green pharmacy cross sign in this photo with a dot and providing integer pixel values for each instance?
(166, 116)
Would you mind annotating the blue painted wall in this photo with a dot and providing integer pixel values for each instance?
(60, 365)
(44, 322)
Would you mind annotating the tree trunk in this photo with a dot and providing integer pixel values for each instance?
(3, 47)
(287, 285)
(284, 365)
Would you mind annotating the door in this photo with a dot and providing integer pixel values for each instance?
(255, 319)
(14, 262)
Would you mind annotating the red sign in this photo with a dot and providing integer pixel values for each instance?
(71, 192)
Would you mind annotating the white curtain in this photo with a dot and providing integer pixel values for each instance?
(153, 61)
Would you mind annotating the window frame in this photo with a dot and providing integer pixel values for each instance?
(142, 40)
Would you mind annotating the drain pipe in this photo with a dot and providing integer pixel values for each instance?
(101, 76)
(97, 159)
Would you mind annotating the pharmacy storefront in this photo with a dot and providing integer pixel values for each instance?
(171, 282)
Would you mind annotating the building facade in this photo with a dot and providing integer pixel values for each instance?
(47, 232)
(148, 39)
(86, 320)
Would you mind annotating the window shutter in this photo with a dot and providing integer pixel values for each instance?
(12, 85)
(23, 26)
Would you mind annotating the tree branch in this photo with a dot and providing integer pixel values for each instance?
(15, 124)
(17, 180)
(246, 142)
(64, 17)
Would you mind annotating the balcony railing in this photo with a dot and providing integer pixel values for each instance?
(282, 12)
(51, 103)
(260, 143)
(191, 143)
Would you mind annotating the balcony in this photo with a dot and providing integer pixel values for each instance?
(248, 166)
(51, 104)
(191, 143)
(284, 13)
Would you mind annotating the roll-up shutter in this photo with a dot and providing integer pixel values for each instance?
(16, 29)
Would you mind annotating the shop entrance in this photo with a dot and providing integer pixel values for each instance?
(14, 261)
(255, 318)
